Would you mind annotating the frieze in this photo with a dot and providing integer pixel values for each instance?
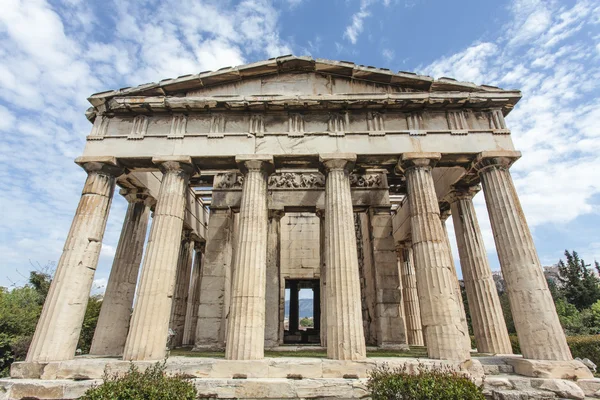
(229, 180)
(368, 180)
(296, 180)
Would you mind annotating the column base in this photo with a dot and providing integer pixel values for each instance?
(209, 347)
(549, 368)
(394, 346)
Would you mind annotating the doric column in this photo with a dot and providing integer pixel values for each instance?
(294, 315)
(345, 335)
(489, 326)
(182, 288)
(389, 310)
(115, 314)
(191, 315)
(459, 300)
(215, 281)
(246, 322)
(540, 334)
(440, 312)
(410, 298)
(59, 326)
(148, 334)
(273, 275)
(323, 277)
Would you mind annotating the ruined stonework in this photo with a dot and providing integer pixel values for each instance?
(289, 176)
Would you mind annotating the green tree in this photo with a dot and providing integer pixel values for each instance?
(89, 324)
(507, 312)
(579, 285)
(306, 322)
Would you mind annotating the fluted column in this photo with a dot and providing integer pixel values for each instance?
(488, 322)
(345, 335)
(273, 274)
(440, 312)
(59, 326)
(540, 334)
(191, 315)
(410, 298)
(322, 278)
(459, 300)
(149, 329)
(182, 288)
(115, 314)
(246, 323)
(215, 281)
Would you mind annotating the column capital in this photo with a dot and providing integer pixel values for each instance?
(255, 162)
(495, 159)
(276, 213)
(444, 214)
(337, 161)
(175, 163)
(418, 160)
(200, 246)
(106, 165)
(380, 209)
(137, 195)
(461, 193)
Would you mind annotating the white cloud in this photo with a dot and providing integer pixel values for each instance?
(54, 55)
(556, 124)
(469, 65)
(388, 54)
(7, 119)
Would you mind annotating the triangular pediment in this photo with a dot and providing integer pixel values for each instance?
(292, 75)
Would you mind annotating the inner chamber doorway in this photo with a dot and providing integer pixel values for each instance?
(302, 323)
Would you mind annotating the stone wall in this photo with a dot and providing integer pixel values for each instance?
(300, 246)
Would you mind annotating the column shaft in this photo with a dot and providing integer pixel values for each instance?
(182, 289)
(214, 282)
(458, 293)
(489, 326)
(115, 314)
(59, 326)
(410, 297)
(246, 323)
(294, 316)
(345, 335)
(191, 315)
(540, 334)
(389, 311)
(149, 329)
(323, 278)
(273, 276)
(440, 311)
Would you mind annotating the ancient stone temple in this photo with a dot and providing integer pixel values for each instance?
(293, 175)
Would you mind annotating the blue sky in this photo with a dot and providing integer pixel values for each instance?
(53, 54)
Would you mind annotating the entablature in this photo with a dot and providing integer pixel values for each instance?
(323, 122)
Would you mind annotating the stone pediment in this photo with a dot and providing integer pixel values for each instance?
(294, 76)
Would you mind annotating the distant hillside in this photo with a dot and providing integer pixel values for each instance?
(306, 308)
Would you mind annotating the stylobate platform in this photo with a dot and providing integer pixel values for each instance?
(285, 377)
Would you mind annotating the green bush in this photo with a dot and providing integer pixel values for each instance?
(585, 347)
(514, 343)
(6, 355)
(440, 383)
(152, 384)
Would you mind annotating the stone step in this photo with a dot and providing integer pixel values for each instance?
(267, 388)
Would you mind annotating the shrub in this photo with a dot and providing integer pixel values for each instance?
(152, 384)
(441, 383)
(585, 347)
(6, 355)
(514, 343)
